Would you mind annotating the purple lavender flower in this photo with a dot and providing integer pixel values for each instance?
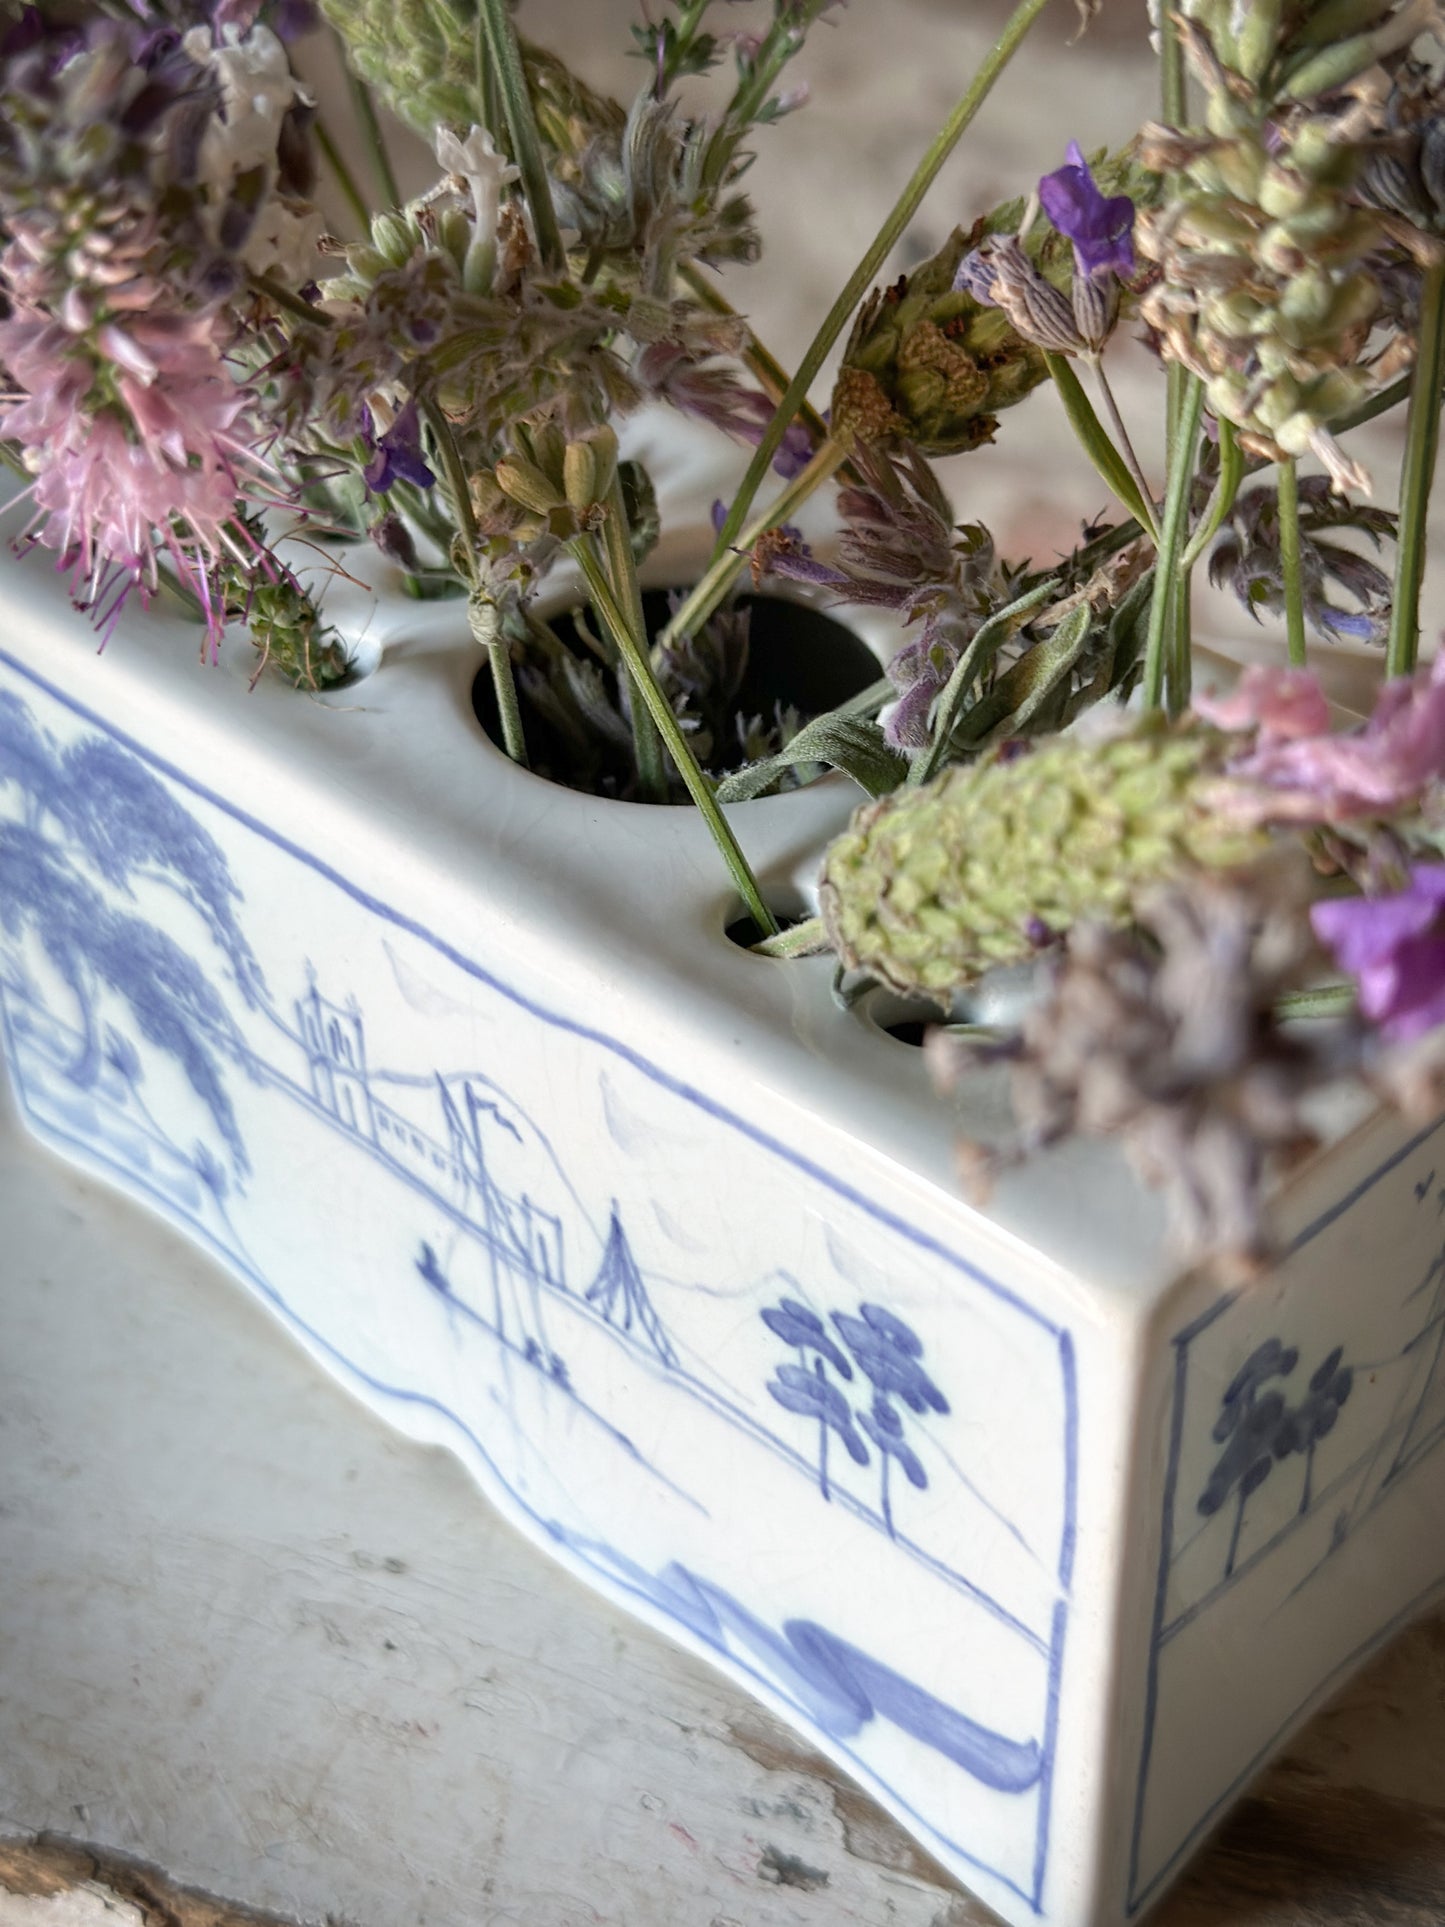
(714, 394)
(1100, 226)
(1394, 948)
(398, 456)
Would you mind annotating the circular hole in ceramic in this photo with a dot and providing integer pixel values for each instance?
(907, 1020)
(797, 658)
(789, 907)
(363, 659)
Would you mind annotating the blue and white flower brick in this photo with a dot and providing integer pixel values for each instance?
(1046, 1545)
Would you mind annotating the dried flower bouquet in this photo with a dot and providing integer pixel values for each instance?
(1229, 904)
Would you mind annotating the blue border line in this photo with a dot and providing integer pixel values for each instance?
(690, 1094)
(1136, 1897)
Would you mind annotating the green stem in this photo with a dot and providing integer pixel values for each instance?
(1417, 473)
(345, 179)
(1121, 434)
(1231, 474)
(1173, 81)
(370, 125)
(616, 546)
(1162, 604)
(805, 939)
(1007, 44)
(1289, 562)
(1094, 439)
(633, 651)
(724, 569)
(499, 658)
(526, 142)
(1181, 642)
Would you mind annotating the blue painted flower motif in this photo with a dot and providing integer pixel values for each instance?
(1100, 226)
(1394, 948)
(398, 456)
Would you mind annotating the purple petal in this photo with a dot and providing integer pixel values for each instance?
(1363, 931)
(795, 451)
(398, 456)
(1099, 226)
(1407, 997)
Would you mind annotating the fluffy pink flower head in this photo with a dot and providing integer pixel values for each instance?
(1394, 948)
(134, 455)
(1376, 771)
(1279, 703)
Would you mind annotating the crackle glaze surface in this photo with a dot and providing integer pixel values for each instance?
(1046, 1547)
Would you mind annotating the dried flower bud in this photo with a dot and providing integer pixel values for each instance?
(524, 482)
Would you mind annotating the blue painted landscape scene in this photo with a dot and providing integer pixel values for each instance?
(1304, 1512)
(714, 1378)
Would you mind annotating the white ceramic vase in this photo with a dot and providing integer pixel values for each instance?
(1044, 1543)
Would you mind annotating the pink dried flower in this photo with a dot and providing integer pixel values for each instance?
(1280, 703)
(1377, 771)
(139, 447)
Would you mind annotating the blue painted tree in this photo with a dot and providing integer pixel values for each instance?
(125, 824)
(889, 1353)
(30, 759)
(1314, 1417)
(1250, 1427)
(130, 827)
(806, 1388)
(96, 948)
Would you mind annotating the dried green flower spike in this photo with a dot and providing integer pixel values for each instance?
(929, 363)
(1268, 287)
(928, 888)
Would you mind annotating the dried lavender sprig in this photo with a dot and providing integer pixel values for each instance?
(902, 212)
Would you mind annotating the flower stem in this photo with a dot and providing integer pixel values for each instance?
(1231, 474)
(370, 125)
(526, 143)
(633, 651)
(1162, 605)
(1417, 473)
(724, 569)
(1289, 562)
(616, 546)
(1113, 469)
(902, 212)
(345, 179)
(1173, 83)
(1121, 432)
(499, 657)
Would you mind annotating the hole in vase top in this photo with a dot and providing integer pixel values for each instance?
(741, 927)
(795, 658)
(907, 1020)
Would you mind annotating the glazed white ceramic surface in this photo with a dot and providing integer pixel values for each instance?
(457, 1071)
